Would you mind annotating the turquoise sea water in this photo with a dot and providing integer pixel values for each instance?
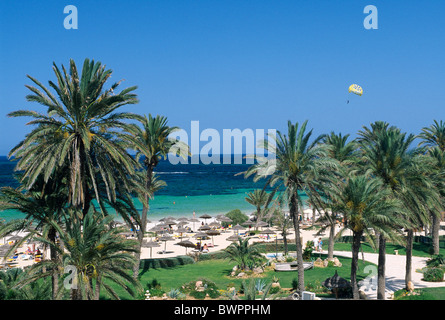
(204, 189)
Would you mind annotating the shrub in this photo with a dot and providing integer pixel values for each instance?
(237, 217)
(155, 288)
(198, 294)
(210, 288)
(295, 283)
(436, 261)
(176, 294)
(165, 262)
(274, 290)
(307, 253)
(433, 274)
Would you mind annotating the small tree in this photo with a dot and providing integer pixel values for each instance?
(236, 216)
(243, 253)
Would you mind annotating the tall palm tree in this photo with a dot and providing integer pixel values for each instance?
(152, 142)
(80, 129)
(433, 137)
(387, 153)
(365, 205)
(298, 167)
(339, 149)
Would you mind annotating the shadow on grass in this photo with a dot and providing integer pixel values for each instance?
(163, 263)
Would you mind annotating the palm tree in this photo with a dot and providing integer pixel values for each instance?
(344, 152)
(80, 129)
(98, 253)
(283, 222)
(298, 167)
(152, 142)
(434, 135)
(41, 205)
(9, 289)
(365, 205)
(242, 253)
(387, 154)
(433, 138)
(258, 199)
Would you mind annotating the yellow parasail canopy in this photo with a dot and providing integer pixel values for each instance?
(355, 88)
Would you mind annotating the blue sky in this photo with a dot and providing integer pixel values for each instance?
(238, 64)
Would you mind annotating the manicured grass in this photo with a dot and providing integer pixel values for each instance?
(219, 270)
(425, 294)
(419, 249)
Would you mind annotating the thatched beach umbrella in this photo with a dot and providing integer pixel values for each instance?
(225, 219)
(213, 233)
(194, 220)
(165, 238)
(336, 282)
(233, 237)
(170, 218)
(181, 231)
(268, 231)
(186, 244)
(215, 224)
(238, 228)
(170, 222)
(151, 245)
(204, 228)
(201, 236)
(182, 223)
(205, 217)
(261, 224)
(249, 223)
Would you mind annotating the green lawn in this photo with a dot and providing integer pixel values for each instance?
(219, 270)
(419, 249)
(425, 294)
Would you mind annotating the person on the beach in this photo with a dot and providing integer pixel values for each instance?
(320, 245)
(205, 248)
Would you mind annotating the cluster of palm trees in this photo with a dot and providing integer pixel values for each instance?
(75, 170)
(383, 184)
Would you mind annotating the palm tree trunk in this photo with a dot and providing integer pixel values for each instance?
(409, 255)
(54, 257)
(435, 233)
(294, 213)
(331, 241)
(285, 241)
(354, 263)
(381, 285)
(97, 288)
(143, 225)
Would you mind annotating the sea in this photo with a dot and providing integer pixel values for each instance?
(192, 189)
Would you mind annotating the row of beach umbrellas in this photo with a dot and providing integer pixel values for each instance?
(205, 230)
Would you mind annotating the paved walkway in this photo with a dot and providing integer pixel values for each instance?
(394, 273)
